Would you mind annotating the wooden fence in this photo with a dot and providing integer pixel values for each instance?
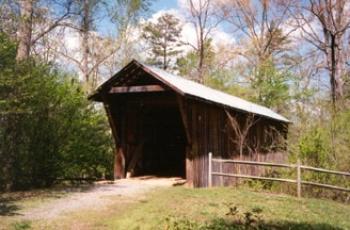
(298, 167)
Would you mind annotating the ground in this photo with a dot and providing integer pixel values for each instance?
(44, 207)
(154, 204)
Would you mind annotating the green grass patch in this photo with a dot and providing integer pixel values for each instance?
(229, 208)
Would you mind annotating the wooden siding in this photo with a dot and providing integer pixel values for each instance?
(210, 132)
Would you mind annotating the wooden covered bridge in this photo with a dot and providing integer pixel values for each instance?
(166, 125)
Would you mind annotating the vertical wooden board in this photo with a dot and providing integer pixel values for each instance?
(206, 149)
(194, 114)
(189, 169)
(185, 112)
(114, 117)
(123, 140)
(202, 137)
(119, 164)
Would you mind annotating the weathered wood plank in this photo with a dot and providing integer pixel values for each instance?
(253, 177)
(119, 164)
(210, 174)
(135, 156)
(326, 186)
(119, 157)
(325, 170)
(183, 113)
(254, 163)
(136, 89)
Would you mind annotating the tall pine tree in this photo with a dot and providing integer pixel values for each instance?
(163, 36)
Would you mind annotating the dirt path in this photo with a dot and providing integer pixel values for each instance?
(96, 197)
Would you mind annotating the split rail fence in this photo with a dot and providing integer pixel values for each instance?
(298, 167)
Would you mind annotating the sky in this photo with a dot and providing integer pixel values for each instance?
(164, 5)
(104, 26)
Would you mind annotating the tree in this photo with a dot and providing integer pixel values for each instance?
(25, 29)
(187, 64)
(86, 22)
(271, 86)
(125, 15)
(28, 10)
(202, 15)
(258, 27)
(265, 47)
(163, 37)
(325, 24)
(96, 49)
(241, 128)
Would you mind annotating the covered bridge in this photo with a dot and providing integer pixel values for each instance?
(166, 125)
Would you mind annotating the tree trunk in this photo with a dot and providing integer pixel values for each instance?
(85, 41)
(339, 70)
(165, 62)
(336, 69)
(24, 35)
(201, 57)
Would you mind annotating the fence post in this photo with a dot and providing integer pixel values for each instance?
(298, 179)
(210, 170)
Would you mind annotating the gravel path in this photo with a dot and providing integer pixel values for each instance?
(96, 197)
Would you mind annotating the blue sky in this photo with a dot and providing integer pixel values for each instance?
(106, 27)
(164, 5)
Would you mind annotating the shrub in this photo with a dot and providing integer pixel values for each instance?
(48, 129)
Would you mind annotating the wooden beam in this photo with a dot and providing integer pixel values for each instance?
(189, 160)
(326, 186)
(119, 164)
(325, 170)
(253, 177)
(136, 155)
(119, 158)
(183, 113)
(254, 163)
(137, 89)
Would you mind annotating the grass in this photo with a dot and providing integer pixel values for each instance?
(217, 208)
(227, 208)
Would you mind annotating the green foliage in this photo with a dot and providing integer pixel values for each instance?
(323, 140)
(7, 51)
(22, 225)
(227, 81)
(271, 86)
(48, 129)
(314, 148)
(187, 65)
(342, 140)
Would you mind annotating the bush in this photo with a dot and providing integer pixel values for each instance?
(314, 148)
(48, 129)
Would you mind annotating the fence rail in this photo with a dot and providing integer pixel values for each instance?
(298, 167)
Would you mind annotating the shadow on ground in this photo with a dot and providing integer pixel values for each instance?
(281, 225)
(9, 202)
(8, 209)
(224, 224)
